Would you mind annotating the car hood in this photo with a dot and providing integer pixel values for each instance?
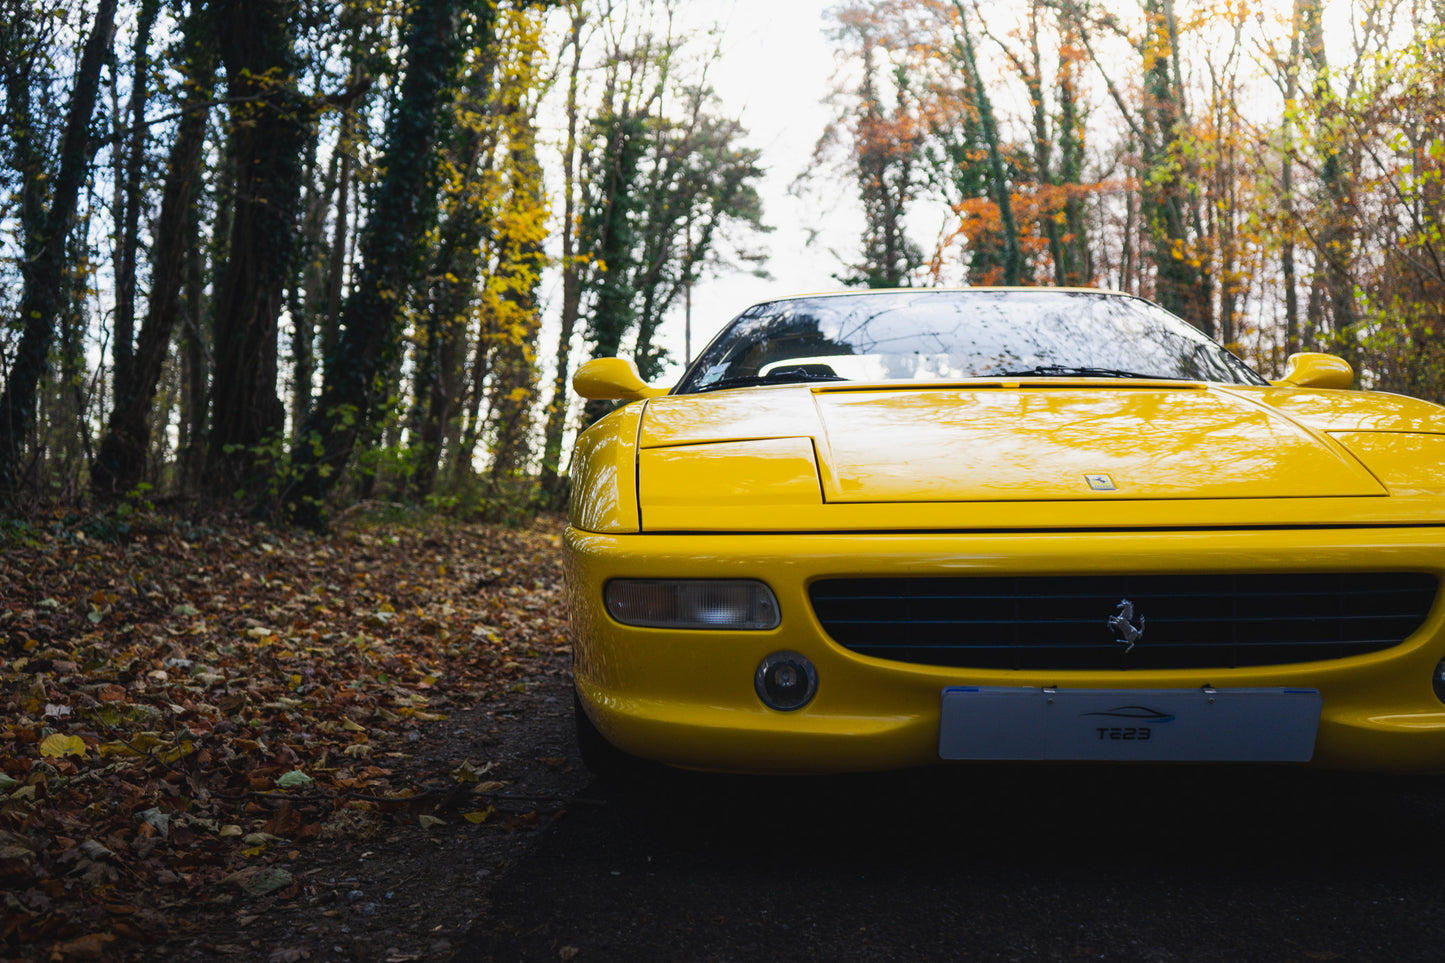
(1044, 441)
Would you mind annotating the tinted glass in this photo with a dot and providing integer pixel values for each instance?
(953, 335)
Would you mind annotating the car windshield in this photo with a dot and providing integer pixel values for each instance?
(953, 335)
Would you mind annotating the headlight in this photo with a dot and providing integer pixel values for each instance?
(692, 603)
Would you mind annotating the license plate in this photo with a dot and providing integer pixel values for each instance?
(1129, 725)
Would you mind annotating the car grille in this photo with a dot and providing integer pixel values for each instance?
(1062, 622)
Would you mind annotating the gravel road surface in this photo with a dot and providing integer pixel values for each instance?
(983, 864)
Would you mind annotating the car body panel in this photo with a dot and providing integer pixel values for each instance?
(1335, 410)
(781, 473)
(687, 698)
(1038, 442)
(771, 412)
(1406, 462)
(606, 457)
(895, 451)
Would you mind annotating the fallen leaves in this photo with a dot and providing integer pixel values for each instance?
(258, 881)
(57, 745)
(88, 947)
(294, 779)
(183, 711)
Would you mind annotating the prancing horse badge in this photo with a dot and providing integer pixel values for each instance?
(1122, 622)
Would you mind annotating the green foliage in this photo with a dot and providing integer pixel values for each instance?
(609, 232)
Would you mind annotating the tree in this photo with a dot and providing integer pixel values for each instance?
(449, 303)
(699, 184)
(883, 154)
(665, 183)
(402, 212)
(572, 266)
(130, 153)
(998, 179)
(120, 464)
(1335, 239)
(44, 268)
(510, 294)
(267, 131)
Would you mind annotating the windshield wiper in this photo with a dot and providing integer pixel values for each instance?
(778, 376)
(1084, 371)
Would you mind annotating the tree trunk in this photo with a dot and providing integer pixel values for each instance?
(1337, 234)
(1078, 262)
(441, 362)
(440, 367)
(130, 188)
(1013, 255)
(305, 293)
(403, 211)
(610, 239)
(1182, 284)
(195, 355)
(268, 133)
(121, 462)
(551, 485)
(336, 257)
(514, 382)
(43, 295)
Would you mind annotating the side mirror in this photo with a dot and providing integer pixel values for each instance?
(612, 379)
(1310, 369)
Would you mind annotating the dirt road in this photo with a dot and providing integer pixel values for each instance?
(984, 864)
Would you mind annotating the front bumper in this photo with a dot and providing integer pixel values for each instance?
(686, 697)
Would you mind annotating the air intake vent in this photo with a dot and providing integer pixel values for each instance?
(1062, 622)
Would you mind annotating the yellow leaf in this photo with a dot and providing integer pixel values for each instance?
(350, 726)
(56, 745)
(175, 753)
(480, 816)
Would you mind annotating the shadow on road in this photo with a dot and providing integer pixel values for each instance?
(985, 863)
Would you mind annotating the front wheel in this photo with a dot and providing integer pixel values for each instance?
(602, 758)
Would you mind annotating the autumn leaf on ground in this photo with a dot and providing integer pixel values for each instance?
(245, 692)
(57, 745)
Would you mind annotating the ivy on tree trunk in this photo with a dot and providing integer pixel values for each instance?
(403, 210)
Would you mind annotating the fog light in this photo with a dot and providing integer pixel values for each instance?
(692, 603)
(785, 681)
(1439, 680)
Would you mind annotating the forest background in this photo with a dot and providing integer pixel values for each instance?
(300, 254)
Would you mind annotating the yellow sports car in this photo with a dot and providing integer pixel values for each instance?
(885, 529)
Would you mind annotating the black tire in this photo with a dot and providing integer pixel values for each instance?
(602, 758)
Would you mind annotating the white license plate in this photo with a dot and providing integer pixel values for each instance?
(1129, 725)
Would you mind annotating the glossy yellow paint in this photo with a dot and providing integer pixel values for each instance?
(1347, 410)
(1407, 463)
(604, 462)
(612, 379)
(765, 412)
(1037, 441)
(686, 697)
(1311, 369)
(1013, 455)
(770, 473)
(789, 484)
